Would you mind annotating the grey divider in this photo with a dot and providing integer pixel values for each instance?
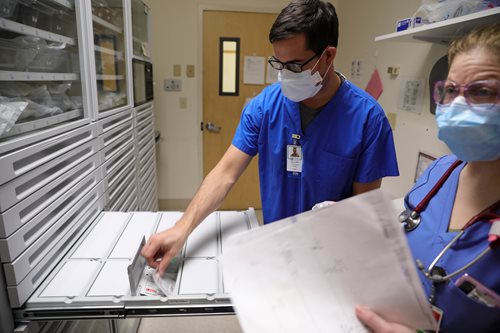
(92, 282)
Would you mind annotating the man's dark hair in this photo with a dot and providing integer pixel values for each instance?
(315, 18)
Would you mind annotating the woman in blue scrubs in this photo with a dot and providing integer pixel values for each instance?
(468, 119)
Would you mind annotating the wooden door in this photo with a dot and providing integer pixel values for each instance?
(224, 111)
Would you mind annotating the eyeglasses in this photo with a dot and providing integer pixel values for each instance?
(476, 92)
(291, 66)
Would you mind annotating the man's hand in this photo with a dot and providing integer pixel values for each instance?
(376, 324)
(164, 246)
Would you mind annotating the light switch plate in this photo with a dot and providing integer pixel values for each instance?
(177, 70)
(190, 70)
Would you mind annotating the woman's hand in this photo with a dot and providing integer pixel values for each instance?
(378, 325)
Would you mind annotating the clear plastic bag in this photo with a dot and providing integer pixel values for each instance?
(439, 10)
(15, 89)
(9, 113)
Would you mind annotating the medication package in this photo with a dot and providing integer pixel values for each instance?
(152, 284)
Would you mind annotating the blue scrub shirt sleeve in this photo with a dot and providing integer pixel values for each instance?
(378, 158)
(246, 137)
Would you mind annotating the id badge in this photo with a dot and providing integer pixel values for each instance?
(294, 158)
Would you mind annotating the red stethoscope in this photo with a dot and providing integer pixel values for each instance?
(411, 220)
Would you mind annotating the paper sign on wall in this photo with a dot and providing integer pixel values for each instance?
(411, 95)
(254, 69)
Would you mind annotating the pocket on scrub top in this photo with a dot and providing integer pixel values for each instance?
(333, 175)
(464, 314)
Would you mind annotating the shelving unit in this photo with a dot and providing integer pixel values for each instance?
(106, 24)
(442, 32)
(44, 122)
(31, 31)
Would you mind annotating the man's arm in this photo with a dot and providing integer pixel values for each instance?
(208, 198)
(358, 188)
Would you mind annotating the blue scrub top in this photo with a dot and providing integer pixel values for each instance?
(461, 314)
(350, 140)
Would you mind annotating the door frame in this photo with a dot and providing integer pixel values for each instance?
(227, 8)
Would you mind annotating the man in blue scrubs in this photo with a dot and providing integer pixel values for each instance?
(318, 136)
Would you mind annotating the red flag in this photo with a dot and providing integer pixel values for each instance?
(375, 86)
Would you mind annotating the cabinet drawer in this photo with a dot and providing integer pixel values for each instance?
(121, 170)
(21, 213)
(145, 145)
(145, 131)
(151, 201)
(148, 181)
(121, 157)
(124, 136)
(131, 204)
(29, 183)
(144, 119)
(119, 185)
(119, 204)
(48, 243)
(20, 293)
(149, 164)
(109, 123)
(25, 236)
(26, 159)
(143, 108)
(146, 158)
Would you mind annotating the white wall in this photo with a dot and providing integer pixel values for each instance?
(176, 40)
(360, 22)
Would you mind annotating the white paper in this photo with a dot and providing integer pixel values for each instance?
(253, 72)
(306, 273)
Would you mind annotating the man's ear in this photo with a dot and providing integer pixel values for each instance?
(331, 53)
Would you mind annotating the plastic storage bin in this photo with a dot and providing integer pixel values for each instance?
(50, 60)
(36, 16)
(15, 56)
(63, 24)
(7, 8)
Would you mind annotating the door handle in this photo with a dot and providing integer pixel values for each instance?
(211, 127)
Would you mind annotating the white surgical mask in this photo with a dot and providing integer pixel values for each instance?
(301, 86)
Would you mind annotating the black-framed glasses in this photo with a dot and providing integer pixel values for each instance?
(476, 92)
(291, 66)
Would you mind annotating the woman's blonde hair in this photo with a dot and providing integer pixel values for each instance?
(487, 37)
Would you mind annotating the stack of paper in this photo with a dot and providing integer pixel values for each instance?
(306, 273)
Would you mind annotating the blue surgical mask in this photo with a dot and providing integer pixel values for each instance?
(471, 133)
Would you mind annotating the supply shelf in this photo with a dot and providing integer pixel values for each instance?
(444, 31)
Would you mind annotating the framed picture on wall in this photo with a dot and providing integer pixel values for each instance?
(423, 161)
